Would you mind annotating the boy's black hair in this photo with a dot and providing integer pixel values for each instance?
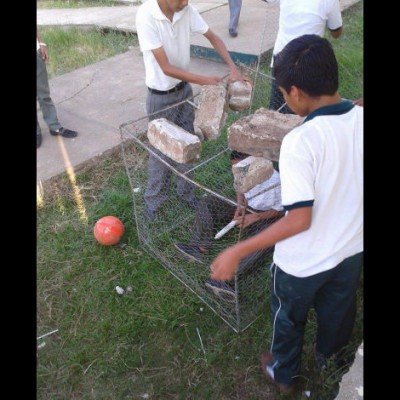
(237, 155)
(309, 63)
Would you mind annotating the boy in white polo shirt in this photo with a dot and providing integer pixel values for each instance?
(164, 28)
(319, 242)
(303, 17)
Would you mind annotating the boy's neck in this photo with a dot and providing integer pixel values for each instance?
(325, 100)
(165, 8)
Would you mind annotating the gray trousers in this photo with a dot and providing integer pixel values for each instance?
(234, 13)
(159, 175)
(43, 95)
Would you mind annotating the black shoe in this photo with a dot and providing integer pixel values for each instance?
(38, 140)
(191, 252)
(67, 133)
(232, 33)
(221, 289)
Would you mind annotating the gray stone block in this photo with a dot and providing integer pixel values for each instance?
(250, 172)
(173, 141)
(211, 115)
(261, 133)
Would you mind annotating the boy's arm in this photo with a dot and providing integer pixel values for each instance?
(295, 221)
(179, 73)
(335, 22)
(220, 47)
(251, 218)
(43, 48)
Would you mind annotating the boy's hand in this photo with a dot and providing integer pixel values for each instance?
(224, 266)
(247, 220)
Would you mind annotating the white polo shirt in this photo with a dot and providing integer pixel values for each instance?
(155, 30)
(304, 17)
(261, 198)
(321, 165)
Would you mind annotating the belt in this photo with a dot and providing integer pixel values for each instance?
(179, 86)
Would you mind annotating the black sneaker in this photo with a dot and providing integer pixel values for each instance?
(38, 140)
(67, 133)
(221, 289)
(191, 252)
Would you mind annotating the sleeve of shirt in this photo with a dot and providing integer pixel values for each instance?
(297, 173)
(334, 17)
(148, 35)
(197, 23)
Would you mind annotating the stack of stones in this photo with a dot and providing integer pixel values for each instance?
(260, 134)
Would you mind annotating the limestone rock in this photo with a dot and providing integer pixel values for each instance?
(261, 133)
(173, 141)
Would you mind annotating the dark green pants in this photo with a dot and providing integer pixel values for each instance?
(333, 295)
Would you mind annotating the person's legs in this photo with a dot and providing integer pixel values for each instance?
(335, 305)
(211, 211)
(235, 7)
(183, 116)
(158, 174)
(43, 95)
(292, 298)
(158, 183)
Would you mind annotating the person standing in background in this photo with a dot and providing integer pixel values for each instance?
(43, 96)
(302, 17)
(235, 7)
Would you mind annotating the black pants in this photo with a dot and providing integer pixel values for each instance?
(333, 295)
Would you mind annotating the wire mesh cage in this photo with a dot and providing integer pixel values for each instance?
(177, 220)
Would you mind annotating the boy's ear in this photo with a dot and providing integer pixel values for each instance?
(295, 92)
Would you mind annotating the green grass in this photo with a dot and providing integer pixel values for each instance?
(144, 344)
(73, 48)
(122, 347)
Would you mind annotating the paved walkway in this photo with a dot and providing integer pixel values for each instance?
(95, 100)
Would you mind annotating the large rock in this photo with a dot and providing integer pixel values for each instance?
(250, 172)
(173, 141)
(211, 115)
(261, 133)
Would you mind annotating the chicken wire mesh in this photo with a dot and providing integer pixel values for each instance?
(196, 201)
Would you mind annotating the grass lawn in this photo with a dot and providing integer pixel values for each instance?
(146, 344)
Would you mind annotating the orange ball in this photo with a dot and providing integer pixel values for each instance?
(108, 230)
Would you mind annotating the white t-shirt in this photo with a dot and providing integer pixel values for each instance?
(304, 17)
(155, 30)
(321, 165)
(261, 198)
